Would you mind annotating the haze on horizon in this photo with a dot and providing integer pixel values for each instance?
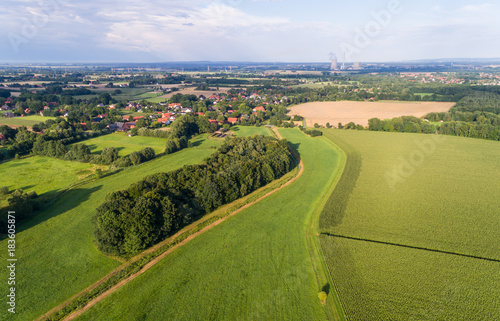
(246, 30)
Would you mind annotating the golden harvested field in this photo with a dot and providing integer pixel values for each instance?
(360, 111)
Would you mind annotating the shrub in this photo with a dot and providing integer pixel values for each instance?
(322, 296)
(4, 190)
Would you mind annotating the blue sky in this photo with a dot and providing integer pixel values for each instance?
(246, 30)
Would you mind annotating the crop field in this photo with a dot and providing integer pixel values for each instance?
(359, 112)
(193, 91)
(396, 249)
(124, 144)
(59, 258)
(28, 121)
(42, 174)
(251, 130)
(254, 266)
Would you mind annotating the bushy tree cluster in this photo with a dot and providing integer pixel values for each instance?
(407, 124)
(148, 211)
(152, 132)
(58, 132)
(472, 130)
(175, 144)
(313, 132)
(23, 203)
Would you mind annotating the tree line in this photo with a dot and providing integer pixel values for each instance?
(20, 141)
(148, 211)
(474, 116)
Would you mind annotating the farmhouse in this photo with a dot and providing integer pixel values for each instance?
(116, 126)
(233, 120)
(186, 110)
(164, 120)
(174, 105)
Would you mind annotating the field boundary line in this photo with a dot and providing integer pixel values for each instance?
(166, 242)
(412, 247)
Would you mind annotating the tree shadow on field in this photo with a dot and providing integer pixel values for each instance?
(54, 207)
(24, 188)
(295, 147)
(197, 143)
(18, 164)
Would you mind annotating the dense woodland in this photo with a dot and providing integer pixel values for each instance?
(150, 210)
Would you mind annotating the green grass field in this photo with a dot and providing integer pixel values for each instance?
(147, 96)
(157, 99)
(41, 174)
(127, 93)
(125, 144)
(432, 192)
(24, 121)
(57, 257)
(254, 266)
(251, 130)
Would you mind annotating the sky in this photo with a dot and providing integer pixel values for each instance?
(72, 31)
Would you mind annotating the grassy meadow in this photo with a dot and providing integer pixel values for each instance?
(254, 266)
(124, 144)
(42, 174)
(57, 256)
(425, 191)
(28, 121)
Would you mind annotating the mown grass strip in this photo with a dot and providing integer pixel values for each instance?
(334, 308)
(333, 212)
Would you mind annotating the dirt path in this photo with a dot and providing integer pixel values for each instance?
(153, 262)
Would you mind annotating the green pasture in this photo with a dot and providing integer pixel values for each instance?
(435, 194)
(24, 121)
(125, 144)
(147, 95)
(57, 257)
(254, 266)
(126, 93)
(157, 99)
(41, 174)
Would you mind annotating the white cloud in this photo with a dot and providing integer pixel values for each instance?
(225, 30)
(216, 31)
(481, 8)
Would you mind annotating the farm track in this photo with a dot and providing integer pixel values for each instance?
(153, 262)
(412, 247)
